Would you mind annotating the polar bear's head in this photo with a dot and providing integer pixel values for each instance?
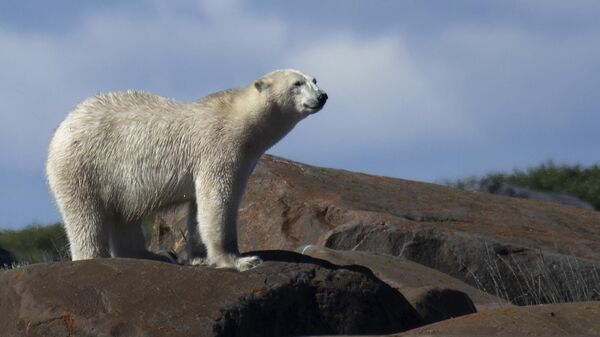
(292, 91)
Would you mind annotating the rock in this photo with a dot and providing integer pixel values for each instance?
(289, 204)
(520, 274)
(438, 304)
(566, 319)
(171, 232)
(7, 259)
(479, 238)
(435, 295)
(126, 297)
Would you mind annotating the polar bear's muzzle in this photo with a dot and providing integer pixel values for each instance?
(318, 103)
(322, 98)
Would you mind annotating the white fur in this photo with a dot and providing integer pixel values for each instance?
(120, 156)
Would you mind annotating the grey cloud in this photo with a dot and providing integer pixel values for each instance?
(416, 91)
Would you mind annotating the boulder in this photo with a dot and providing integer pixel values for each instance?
(565, 319)
(289, 204)
(171, 232)
(520, 274)
(435, 295)
(481, 239)
(7, 259)
(290, 294)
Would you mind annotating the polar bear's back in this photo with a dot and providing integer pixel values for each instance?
(127, 148)
(119, 123)
(126, 107)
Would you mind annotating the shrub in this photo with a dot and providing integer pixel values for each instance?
(37, 243)
(575, 180)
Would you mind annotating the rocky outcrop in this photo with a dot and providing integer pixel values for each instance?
(520, 274)
(290, 294)
(435, 295)
(566, 319)
(289, 204)
(7, 259)
(482, 239)
(171, 233)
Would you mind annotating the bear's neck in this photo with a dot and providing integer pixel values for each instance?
(260, 121)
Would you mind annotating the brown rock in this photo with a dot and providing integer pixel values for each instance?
(438, 304)
(523, 250)
(566, 319)
(435, 295)
(174, 231)
(124, 297)
(289, 204)
(520, 274)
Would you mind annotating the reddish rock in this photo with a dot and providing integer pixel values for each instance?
(566, 319)
(520, 274)
(435, 295)
(171, 232)
(509, 247)
(126, 297)
(288, 204)
(523, 250)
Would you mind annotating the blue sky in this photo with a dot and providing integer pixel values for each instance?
(422, 90)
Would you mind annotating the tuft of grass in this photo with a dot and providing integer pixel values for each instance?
(552, 278)
(576, 180)
(36, 243)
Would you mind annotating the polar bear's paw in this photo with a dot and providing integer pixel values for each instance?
(199, 261)
(247, 262)
(229, 261)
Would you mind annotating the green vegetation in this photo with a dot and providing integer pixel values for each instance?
(37, 243)
(575, 180)
(147, 226)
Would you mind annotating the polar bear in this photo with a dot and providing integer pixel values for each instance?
(120, 156)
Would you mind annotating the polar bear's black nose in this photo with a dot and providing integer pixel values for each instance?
(322, 98)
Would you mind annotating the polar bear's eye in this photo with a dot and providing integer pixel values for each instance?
(314, 80)
(298, 83)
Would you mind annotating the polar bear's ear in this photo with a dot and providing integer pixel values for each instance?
(262, 84)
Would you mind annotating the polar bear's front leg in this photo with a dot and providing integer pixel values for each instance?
(218, 197)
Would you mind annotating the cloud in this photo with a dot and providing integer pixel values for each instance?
(381, 96)
(523, 79)
(415, 91)
(45, 76)
(163, 49)
(468, 99)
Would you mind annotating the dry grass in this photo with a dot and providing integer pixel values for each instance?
(553, 279)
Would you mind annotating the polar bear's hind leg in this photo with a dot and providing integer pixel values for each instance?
(88, 235)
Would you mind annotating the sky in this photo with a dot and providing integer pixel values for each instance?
(420, 90)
